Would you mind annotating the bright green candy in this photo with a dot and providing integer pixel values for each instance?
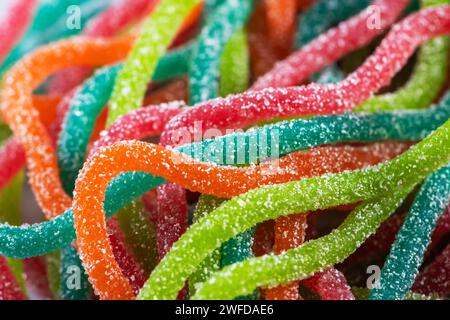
(158, 33)
(205, 205)
(271, 202)
(53, 267)
(41, 238)
(140, 234)
(234, 66)
(426, 81)
(229, 18)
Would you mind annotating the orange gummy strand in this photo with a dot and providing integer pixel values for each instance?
(222, 181)
(281, 17)
(23, 118)
(46, 105)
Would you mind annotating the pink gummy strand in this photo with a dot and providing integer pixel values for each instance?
(332, 45)
(15, 24)
(242, 110)
(9, 288)
(330, 285)
(107, 24)
(125, 259)
(139, 124)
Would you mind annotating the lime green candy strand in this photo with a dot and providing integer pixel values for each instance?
(158, 33)
(140, 234)
(426, 82)
(270, 202)
(234, 66)
(205, 205)
(304, 261)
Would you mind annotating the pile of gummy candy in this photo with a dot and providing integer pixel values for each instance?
(225, 149)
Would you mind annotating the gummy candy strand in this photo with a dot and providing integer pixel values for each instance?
(23, 118)
(86, 106)
(158, 32)
(322, 15)
(74, 284)
(234, 65)
(330, 285)
(205, 205)
(435, 53)
(294, 135)
(289, 232)
(106, 24)
(51, 23)
(14, 24)
(331, 45)
(34, 240)
(9, 288)
(234, 78)
(202, 177)
(243, 212)
(207, 53)
(425, 83)
(313, 99)
(434, 279)
(10, 198)
(281, 17)
(314, 255)
(203, 85)
(413, 238)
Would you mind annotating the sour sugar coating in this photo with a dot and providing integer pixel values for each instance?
(331, 45)
(376, 72)
(407, 252)
(19, 113)
(103, 271)
(243, 212)
(158, 33)
(295, 135)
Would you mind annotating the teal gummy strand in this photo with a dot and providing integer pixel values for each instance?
(39, 239)
(407, 252)
(74, 284)
(204, 69)
(49, 25)
(87, 105)
(209, 55)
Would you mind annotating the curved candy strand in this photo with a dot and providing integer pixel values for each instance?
(22, 117)
(50, 24)
(330, 46)
(425, 83)
(105, 165)
(316, 99)
(241, 213)
(407, 252)
(204, 70)
(35, 240)
(229, 17)
(106, 24)
(86, 106)
(159, 30)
